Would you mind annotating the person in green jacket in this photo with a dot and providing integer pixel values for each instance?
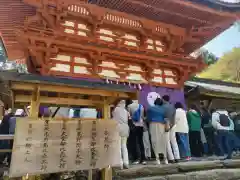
(194, 123)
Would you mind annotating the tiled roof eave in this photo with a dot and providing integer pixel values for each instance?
(220, 5)
(214, 87)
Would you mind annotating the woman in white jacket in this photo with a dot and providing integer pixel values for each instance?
(120, 114)
(181, 130)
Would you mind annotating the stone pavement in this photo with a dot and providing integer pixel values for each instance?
(204, 169)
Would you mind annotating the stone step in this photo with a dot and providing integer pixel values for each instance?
(216, 174)
(184, 169)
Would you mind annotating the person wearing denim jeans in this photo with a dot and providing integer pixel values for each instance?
(181, 130)
(137, 133)
(229, 140)
(183, 144)
(225, 137)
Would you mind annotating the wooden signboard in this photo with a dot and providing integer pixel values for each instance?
(42, 147)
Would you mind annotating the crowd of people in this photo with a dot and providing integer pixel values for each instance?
(169, 133)
(164, 131)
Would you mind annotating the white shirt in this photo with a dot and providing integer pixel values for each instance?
(84, 113)
(120, 114)
(61, 113)
(216, 121)
(88, 113)
(132, 108)
(181, 125)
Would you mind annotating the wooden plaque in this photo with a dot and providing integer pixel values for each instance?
(43, 146)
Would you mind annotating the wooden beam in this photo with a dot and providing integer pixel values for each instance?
(58, 101)
(169, 57)
(192, 39)
(22, 86)
(67, 89)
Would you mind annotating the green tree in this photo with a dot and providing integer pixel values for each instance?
(3, 55)
(13, 66)
(232, 69)
(227, 68)
(209, 58)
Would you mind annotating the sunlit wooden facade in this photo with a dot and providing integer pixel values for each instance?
(149, 43)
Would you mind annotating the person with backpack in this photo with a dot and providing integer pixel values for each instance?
(157, 127)
(223, 125)
(136, 112)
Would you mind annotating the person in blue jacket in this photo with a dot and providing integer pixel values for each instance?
(157, 127)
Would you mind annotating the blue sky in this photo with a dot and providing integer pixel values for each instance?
(224, 42)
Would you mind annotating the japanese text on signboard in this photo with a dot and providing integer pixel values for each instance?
(58, 146)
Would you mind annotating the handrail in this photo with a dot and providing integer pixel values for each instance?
(6, 137)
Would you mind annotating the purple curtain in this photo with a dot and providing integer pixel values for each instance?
(175, 94)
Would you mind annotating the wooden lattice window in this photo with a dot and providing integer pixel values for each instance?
(76, 28)
(118, 37)
(164, 76)
(155, 45)
(72, 65)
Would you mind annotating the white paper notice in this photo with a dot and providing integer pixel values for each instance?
(42, 147)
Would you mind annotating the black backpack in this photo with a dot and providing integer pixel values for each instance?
(224, 120)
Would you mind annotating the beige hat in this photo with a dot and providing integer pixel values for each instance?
(19, 112)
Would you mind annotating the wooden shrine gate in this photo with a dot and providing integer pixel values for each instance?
(77, 39)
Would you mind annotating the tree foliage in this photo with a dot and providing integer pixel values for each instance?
(227, 68)
(208, 57)
(3, 56)
(13, 66)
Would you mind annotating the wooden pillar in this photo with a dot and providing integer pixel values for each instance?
(34, 106)
(90, 174)
(106, 109)
(34, 110)
(106, 172)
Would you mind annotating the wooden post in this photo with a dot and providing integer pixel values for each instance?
(106, 109)
(34, 106)
(34, 110)
(90, 174)
(106, 172)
